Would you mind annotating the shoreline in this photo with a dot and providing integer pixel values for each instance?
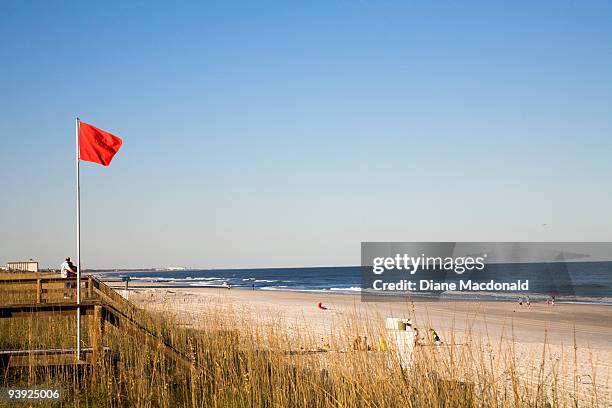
(492, 298)
(593, 322)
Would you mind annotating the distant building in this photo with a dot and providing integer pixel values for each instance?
(23, 266)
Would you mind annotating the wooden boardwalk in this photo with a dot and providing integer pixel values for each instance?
(38, 296)
(46, 357)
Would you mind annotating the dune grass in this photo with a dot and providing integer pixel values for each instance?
(264, 367)
(234, 361)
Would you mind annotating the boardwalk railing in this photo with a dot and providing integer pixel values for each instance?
(23, 297)
(44, 290)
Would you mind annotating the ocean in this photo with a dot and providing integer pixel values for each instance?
(576, 282)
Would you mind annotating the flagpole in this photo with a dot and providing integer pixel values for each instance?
(78, 243)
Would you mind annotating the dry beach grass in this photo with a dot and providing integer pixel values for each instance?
(245, 354)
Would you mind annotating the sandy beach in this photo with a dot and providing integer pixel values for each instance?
(576, 338)
(591, 324)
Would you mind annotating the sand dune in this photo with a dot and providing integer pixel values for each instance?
(497, 327)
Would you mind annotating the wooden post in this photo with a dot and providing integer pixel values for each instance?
(38, 291)
(89, 287)
(96, 333)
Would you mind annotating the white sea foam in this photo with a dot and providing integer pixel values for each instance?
(174, 280)
(351, 289)
(150, 279)
(209, 284)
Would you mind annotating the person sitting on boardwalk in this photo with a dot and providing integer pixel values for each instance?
(68, 270)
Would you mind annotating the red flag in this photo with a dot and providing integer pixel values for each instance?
(96, 145)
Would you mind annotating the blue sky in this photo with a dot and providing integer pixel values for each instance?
(285, 133)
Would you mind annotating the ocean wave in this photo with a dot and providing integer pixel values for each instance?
(150, 279)
(207, 284)
(347, 290)
(256, 280)
(174, 280)
(350, 289)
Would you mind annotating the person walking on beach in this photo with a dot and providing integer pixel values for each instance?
(67, 270)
